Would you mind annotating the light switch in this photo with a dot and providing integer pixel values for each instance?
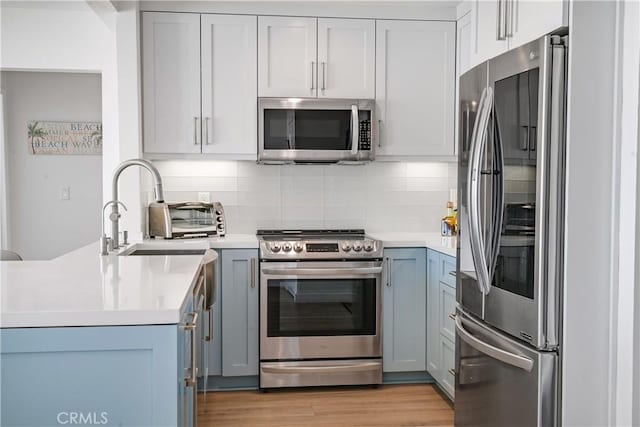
(65, 193)
(204, 197)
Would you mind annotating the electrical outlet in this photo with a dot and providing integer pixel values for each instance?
(65, 193)
(204, 197)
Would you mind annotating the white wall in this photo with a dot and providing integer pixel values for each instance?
(70, 36)
(41, 225)
(380, 196)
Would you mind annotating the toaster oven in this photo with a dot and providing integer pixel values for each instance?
(186, 219)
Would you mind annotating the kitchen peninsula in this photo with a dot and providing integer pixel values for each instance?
(101, 338)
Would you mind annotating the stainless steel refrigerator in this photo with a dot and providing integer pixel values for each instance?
(510, 246)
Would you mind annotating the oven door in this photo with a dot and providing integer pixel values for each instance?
(320, 309)
(323, 131)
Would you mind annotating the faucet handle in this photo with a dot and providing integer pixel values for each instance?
(106, 245)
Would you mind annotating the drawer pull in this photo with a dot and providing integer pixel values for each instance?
(452, 316)
(453, 273)
(452, 372)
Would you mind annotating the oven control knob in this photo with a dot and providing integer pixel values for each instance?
(346, 247)
(286, 247)
(275, 247)
(298, 247)
(368, 246)
(357, 246)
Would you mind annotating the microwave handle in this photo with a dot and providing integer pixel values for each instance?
(355, 131)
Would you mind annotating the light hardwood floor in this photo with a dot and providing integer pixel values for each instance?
(391, 405)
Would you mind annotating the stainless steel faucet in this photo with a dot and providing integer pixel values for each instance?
(115, 215)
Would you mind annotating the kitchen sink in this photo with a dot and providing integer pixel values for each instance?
(182, 248)
(147, 252)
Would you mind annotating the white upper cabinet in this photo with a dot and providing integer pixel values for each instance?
(229, 84)
(464, 40)
(533, 19)
(287, 60)
(500, 25)
(487, 22)
(346, 58)
(199, 84)
(415, 88)
(171, 82)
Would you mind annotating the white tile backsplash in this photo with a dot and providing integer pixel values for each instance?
(380, 196)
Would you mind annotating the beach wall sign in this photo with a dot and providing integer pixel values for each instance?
(64, 138)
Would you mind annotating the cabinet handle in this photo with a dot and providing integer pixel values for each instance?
(209, 335)
(253, 272)
(324, 75)
(389, 263)
(313, 64)
(195, 131)
(508, 17)
(453, 273)
(379, 133)
(502, 18)
(190, 380)
(452, 316)
(206, 130)
(452, 372)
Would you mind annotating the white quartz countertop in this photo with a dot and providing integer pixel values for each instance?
(446, 245)
(82, 288)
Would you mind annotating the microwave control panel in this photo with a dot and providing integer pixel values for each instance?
(365, 135)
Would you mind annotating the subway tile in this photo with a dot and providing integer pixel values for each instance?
(212, 168)
(254, 170)
(427, 183)
(434, 170)
(200, 183)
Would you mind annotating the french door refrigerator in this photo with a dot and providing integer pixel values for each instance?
(511, 193)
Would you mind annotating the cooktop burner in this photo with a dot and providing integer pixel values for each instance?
(317, 244)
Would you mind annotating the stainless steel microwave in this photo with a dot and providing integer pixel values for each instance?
(292, 130)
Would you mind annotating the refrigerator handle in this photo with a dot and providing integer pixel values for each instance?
(498, 200)
(555, 186)
(492, 351)
(478, 142)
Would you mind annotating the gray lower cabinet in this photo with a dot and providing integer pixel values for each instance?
(232, 350)
(240, 292)
(404, 310)
(440, 323)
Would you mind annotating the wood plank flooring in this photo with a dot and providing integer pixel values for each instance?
(391, 405)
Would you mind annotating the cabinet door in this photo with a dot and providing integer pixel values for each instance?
(213, 352)
(287, 57)
(239, 312)
(433, 315)
(447, 353)
(171, 82)
(346, 58)
(229, 85)
(485, 29)
(415, 80)
(446, 309)
(404, 310)
(533, 19)
(464, 43)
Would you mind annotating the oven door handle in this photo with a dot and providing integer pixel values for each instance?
(320, 271)
(356, 367)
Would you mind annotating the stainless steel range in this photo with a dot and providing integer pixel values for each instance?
(320, 305)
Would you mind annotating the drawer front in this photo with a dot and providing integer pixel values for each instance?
(448, 270)
(447, 303)
(447, 354)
